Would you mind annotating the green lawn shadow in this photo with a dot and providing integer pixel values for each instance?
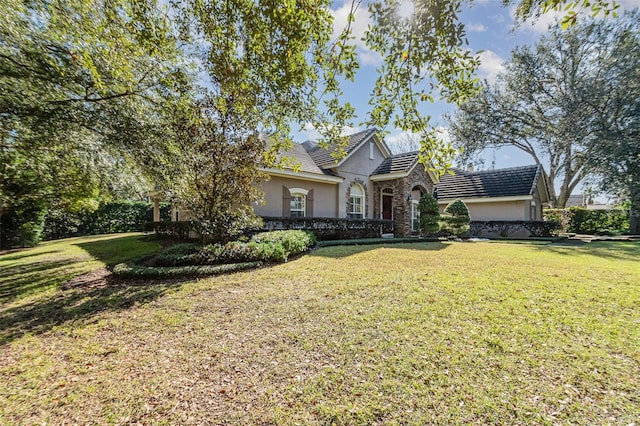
(336, 252)
(618, 250)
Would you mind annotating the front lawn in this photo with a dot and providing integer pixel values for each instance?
(427, 333)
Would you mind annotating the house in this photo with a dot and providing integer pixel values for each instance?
(371, 183)
(513, 194)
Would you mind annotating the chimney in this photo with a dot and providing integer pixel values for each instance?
(470, 167)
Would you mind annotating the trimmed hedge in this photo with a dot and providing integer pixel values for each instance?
(109, 218)
(509, 228)
(276, 246)
(180, 229)
(583, 221)
(136, 271)
(327, 228)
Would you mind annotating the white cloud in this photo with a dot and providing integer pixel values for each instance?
(362, 19)
(490, 65)
(313, 134)
(404, 141)
(477, 28)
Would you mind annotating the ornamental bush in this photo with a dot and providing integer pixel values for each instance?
(273, 247)
(455, 220)
(429, 221)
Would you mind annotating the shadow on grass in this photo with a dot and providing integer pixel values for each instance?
(24, 253)
(17, 281)
(336, 252)
(604, 249)
(79, 303)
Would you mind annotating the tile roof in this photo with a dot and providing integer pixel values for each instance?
(397, 163)
(323, 157)
(511, 182)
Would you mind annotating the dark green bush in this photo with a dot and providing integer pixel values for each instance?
(110, 217)
(455, 220)
(22, 225)
(429, 215)
(583, 221)
(180, 229)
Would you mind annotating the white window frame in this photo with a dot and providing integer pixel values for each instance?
(353, 210)
(301, 209)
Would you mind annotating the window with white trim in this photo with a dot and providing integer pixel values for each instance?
(356, 202)
(298, 206)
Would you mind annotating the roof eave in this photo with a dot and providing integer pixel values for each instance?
(315, 177)
(486, 199)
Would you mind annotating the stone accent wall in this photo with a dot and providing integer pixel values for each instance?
(366, 198)
(401, 189)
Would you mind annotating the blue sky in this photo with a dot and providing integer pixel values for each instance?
(490, 28)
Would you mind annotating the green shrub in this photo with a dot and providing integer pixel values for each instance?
(275, 246)
(136, 271)
(294, 242)
(455, 220)
(110, 217)
(429, 220)
(22, 225)
(583, 221)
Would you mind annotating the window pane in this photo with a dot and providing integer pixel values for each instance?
(297, 206)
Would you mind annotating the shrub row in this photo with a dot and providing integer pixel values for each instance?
(111, 217)
(179, 229)
(583, 221)
(514, 228)
(331, 228)
(137, 271)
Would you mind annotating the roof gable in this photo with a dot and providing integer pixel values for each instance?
(511, 182)
(323, 158)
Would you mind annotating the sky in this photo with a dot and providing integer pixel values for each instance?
(490, 29)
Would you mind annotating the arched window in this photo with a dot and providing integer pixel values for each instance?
(298, 204)
(356, 202)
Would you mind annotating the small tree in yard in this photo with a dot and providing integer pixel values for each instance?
(429, 215)
(455, 220)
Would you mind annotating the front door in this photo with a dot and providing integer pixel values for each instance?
(387, 207)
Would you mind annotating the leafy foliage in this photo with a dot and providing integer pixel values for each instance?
(109, 217)
(429, 215)
(583, 221)
(542, 104)
(455, 219)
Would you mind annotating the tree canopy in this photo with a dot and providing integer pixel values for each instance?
(87, 87)
(543, 102)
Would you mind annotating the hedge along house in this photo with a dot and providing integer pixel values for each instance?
(368, 183)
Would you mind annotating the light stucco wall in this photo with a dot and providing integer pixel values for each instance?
(357, 168)
(500, 210)
(324, 196)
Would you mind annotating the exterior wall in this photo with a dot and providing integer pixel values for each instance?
(402, 187)
(324, 196)
(499, 210)
(356, 169)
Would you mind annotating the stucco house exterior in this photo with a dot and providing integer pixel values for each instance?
(371, 183)
(513, 194)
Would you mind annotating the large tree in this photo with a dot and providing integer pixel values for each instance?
(614, 111)
(82, 88)
(541, 103)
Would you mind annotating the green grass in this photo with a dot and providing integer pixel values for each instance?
(427, 333)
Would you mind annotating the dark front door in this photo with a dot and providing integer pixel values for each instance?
(387, 205)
